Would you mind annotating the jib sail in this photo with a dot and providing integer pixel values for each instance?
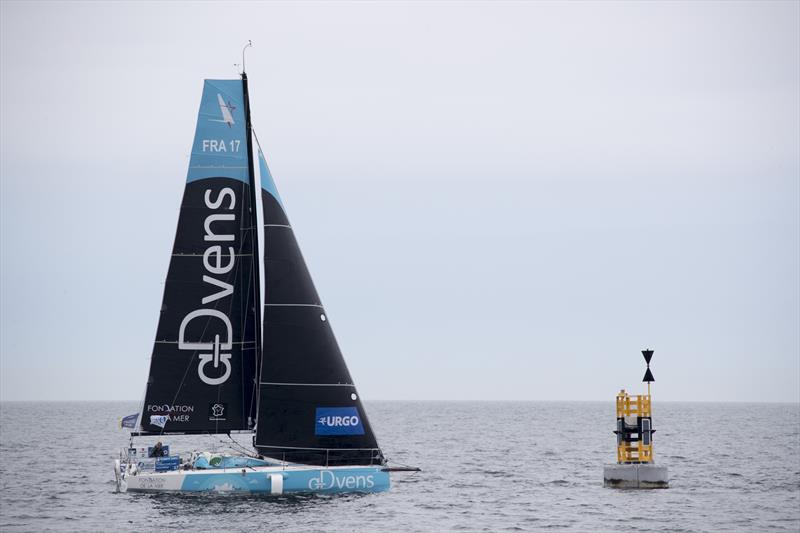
(309, 410)
(205, 356)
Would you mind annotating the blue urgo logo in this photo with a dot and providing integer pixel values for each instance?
(338, 421)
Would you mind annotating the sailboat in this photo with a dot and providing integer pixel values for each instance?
(235, 354)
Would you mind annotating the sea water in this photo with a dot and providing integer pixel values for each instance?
(487, 466)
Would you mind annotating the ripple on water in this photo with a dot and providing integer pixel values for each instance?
(510, 476)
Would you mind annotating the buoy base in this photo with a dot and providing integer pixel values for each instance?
(635, 476)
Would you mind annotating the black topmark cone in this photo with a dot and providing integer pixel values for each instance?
(648, 376)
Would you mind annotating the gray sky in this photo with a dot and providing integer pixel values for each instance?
(496, 201)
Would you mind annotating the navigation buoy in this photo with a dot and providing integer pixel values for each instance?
(635, 467)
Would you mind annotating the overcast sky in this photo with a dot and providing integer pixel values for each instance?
(496, 200)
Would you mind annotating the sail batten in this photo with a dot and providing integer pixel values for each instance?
(293, 305)
(308, 384)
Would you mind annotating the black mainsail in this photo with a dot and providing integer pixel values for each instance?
(206, 355)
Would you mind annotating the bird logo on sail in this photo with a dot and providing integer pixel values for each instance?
(226, 110)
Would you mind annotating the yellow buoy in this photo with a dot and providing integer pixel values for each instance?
(635, 466)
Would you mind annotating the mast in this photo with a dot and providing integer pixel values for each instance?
(254, 197)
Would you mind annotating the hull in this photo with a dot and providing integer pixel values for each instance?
(261, 480)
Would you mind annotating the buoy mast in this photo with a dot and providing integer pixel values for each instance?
(635, 423)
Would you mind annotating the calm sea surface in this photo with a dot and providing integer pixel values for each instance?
(486, 467)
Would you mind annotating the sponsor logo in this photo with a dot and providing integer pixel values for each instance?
(338, 421)
(167, 408)
(219, 145)
(174, 413)
(327, 480)
(216, 411)
(226, 110)
(147, 482)
(214, 367)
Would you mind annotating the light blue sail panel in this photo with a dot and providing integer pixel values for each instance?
(267, 183)
(220, 148)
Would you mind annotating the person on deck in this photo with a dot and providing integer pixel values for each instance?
(158, 450)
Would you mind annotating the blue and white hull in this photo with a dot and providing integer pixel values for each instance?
(259, 480)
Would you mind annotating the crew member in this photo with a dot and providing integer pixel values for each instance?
(158, 450)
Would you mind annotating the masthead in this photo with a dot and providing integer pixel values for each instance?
(248, 45)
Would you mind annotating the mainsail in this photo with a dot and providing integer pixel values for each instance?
(309, 410)
(205, 357)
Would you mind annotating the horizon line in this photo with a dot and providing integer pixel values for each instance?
(455, 400)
